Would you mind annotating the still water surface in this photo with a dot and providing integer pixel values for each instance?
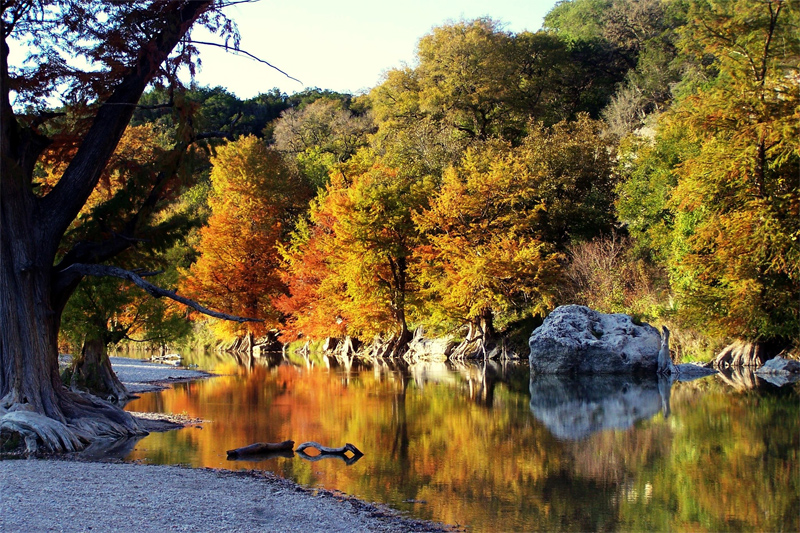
(490, 449)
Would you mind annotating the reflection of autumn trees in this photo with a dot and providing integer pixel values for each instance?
(722, 460)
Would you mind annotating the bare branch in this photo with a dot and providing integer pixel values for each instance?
(248, 54)
(82, 269)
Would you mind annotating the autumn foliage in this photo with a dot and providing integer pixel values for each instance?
(496, 227)
(252, 203)
(351, 262)
(457, 192)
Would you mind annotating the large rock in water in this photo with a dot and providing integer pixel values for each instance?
(576, 339)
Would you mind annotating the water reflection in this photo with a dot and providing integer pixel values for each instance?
(483, 445)
(104, 449)
(745, 378)
(573, 407)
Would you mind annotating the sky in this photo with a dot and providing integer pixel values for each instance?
(345, 46)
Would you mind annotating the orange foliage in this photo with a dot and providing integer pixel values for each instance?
(347, 269)
(254, 197)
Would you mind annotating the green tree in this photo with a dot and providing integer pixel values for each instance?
(735, 255)
(320, 135)
(637, 35)
(474, 82)
(715, 195)
(106, 311)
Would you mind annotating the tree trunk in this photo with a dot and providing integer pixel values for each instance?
(92, 372)
(34, 403)
(400, 343)
(28, 345)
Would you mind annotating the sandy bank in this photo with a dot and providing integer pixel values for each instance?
(54, 495)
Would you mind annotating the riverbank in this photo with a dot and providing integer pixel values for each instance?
(77, 495)
(59, 495)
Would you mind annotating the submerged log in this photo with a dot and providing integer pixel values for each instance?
(325, 449)
(261, 448)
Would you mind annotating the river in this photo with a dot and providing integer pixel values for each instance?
(488, 448)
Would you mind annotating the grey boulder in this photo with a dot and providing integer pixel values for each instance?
(780, 371)
(579, 340)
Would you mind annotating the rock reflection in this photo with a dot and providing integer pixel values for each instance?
(574, 407)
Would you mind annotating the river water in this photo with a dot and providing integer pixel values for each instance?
(488, 448)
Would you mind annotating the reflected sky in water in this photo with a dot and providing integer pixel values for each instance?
(489, 448)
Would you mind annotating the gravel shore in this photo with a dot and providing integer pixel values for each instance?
(70, 495)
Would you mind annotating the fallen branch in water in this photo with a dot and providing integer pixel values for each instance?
(326, 453)
(332, 451)
(260, 448)
(257, 457)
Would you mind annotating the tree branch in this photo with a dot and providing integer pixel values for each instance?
(81, 269)
(63, 203)
(248, 54)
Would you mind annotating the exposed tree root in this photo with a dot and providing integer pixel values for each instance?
(746, 354)
(87, 418)
(480, 347)
(40, 432)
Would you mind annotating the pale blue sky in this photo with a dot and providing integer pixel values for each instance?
(345, 45)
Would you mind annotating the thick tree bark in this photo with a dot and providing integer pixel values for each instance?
(33, 401)
(28, 341)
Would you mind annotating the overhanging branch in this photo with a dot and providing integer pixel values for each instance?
(248, 54)
(82, 269)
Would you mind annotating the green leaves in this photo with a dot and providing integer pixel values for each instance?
(717, 190)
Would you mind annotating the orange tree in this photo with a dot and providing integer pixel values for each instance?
(254, 201)
(359, 245)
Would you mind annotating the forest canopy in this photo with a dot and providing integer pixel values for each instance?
(466, 189)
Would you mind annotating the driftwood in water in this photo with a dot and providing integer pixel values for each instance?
(261, 448)
(326, 452)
